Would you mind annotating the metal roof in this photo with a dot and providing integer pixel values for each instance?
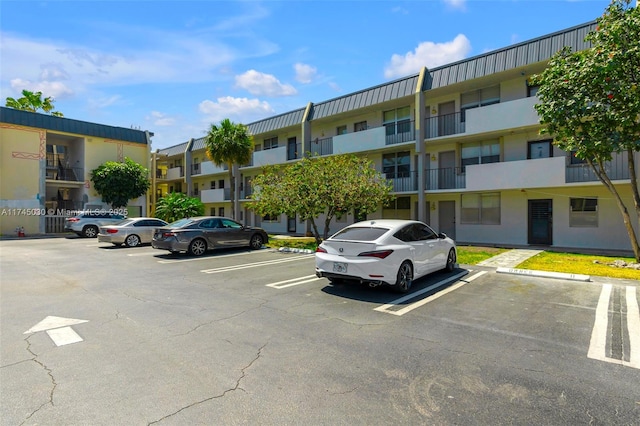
(174, 150)
(67, 125)
(400, 88)
(514, 56)
(198, 143)
(277, 122)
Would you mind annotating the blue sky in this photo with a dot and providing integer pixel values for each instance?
(174, 67)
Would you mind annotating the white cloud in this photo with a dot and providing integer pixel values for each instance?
(241, 109)
(305, 73)
(55, 89)
(160, 119)
(334, 86)
(456, 4)
(428, 54)
(258, 83)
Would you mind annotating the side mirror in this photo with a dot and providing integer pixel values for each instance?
(442, 235)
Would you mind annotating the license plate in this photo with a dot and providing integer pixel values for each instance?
(339, 267)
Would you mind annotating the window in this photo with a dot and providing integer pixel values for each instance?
(341, 130)
(396, 165)
(270, 143)
(221, 183)
(212, 211)
(575, 160)
(213, 184)
(540, 149)
(195, 188)
(271, 218)
(360, 126)
(221, 211)
(397, 121)
(532, 90)
(480, 153)
(583, 212)
(478, 98)
(480, 209)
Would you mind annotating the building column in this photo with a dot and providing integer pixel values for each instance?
(419, 135)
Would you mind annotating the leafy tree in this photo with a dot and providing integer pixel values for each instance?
(33, 102)
(590, 100)
(227, 144)
(176, 205)
(333, 186)
(120, 182)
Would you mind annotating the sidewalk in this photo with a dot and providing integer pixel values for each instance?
(507, 261)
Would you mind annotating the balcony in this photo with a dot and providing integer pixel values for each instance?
(506, 115)
(195, 169)
(444, 125)
(445, 178)
(617, 169)
(322, 146)
(215, 195)
(175, 173)
(209, 168)
(403, 181)
(538, 173)
(67, 174)
(270, 156)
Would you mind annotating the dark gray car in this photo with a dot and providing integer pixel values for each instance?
(196, 235)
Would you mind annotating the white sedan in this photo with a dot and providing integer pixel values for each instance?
(385, 252)
(130, 232)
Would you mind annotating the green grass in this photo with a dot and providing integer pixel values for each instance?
(470, 255)
(580, 264)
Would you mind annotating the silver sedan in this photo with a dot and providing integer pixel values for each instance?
(130, 232)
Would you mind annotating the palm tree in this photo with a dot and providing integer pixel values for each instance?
(229, 144)
(33, 102)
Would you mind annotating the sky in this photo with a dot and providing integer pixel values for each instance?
(174, 67)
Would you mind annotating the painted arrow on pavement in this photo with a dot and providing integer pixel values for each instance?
(59, 329)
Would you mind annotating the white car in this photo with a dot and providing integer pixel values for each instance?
(385, 252)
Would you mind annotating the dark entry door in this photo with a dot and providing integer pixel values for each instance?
(540, 222)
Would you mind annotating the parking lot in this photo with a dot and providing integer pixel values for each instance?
(94, 334)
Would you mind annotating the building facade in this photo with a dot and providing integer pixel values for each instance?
(46, 165)
(461, 144)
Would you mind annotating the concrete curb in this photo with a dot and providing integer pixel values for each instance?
(544, 274)
(294, 250)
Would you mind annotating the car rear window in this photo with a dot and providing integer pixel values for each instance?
(360, 234)
(179, 223)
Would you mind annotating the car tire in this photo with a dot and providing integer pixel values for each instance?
(404, 278)
(256, 242)
(90, 231)
(197, 247)
(451, 261)
(132, 240)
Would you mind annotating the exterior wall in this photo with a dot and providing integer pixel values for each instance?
(22, 153)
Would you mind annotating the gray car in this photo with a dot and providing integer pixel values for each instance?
(87, 223)
(196, 235)
(130, 232)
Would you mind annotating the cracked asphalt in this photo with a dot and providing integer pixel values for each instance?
(240, 337)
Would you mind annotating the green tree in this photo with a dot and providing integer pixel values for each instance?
(33, 102)
(176, 205)
(590, 100)
(120, 182)
(333, 186)
(229, 144)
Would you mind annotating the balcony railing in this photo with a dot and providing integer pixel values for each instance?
(322, 146)
(195, 169)
(617, 169)
(399, 132)
(444, 125)
(403, 181)
(69, 174)
(445, 178)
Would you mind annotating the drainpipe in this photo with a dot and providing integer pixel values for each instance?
(420, 145)
(151, 165)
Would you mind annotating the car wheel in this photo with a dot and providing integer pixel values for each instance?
(451, 261)
(197, 247)
(256, 242)
(405, 277)
(90, 231)
(132, 240)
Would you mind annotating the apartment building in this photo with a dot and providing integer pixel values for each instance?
(461, 144)
(46, 166)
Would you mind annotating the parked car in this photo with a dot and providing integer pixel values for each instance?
(196, 235)
(385, 252)
(88, 223)
(130, 232)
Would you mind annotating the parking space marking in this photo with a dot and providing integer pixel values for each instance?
(387, 308)
(294, 281)
(598, 343)
(255, 264)
(192, 259)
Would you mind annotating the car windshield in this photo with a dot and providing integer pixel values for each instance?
(360, 234)
(179, 223)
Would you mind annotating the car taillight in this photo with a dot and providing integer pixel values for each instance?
(168, 234)
(321, 250)
(73, 219)
(112, 231)
(380, 254)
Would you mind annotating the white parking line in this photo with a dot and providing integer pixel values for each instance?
(254, 265)
(193, 259)
(598, 342)
(294, 281)
(387, 308)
